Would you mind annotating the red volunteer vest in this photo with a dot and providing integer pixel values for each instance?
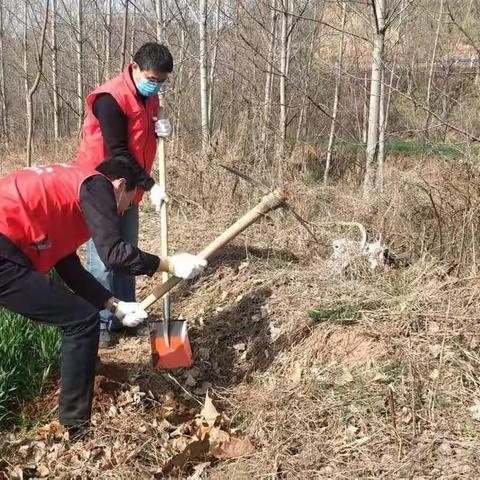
(40, 212)
(142, 141)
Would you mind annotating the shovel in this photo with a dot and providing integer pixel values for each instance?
(169, 336)
(179, 353)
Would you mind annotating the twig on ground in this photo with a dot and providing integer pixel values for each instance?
(171, 377)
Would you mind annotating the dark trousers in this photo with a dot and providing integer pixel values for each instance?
(29, 293)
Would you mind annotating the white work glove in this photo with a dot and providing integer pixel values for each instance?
(163, 128)
(130, 314)
(186, 266)
(158, 196)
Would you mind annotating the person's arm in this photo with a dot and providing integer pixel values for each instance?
(100, 210)
(82, 282)
(114, 127)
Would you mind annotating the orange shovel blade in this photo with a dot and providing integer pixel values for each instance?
(176, 355)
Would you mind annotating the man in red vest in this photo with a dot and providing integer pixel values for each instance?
(121, 120)
(46, 213)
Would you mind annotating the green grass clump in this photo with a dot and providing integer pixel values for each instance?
(408, 147)
(29, 356)
(339, 315)
(397, 146)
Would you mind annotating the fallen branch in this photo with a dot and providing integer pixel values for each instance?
(265, 190)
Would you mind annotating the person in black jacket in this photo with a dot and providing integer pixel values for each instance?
(45, 214)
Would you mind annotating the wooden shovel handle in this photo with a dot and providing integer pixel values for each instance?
(162, 181)
(268, 203)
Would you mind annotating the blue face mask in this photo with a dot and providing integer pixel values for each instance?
(148, 88)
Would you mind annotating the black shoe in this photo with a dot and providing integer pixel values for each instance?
(141, 330)
(78, 433)
(117, 328)
(107, 339)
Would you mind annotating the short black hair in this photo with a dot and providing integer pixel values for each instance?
(117, 167)
(154, 56)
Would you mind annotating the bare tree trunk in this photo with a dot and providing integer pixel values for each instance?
(234, 88)
(177, 97)
(283, 77)
(25, 71)
(374, 110)
(267, 104)
(389, 96)
(289, 37)
(160, 21)
(211, 82)
(79, 45)
(132, 33)
(338, 81)
(365, 110)
(97, 38)
(3, 91)
(35, 84)
(108, 40)
(383, 121)
(446, 100)
(202, 20)
(410, 75)
(381, 135)
(432, 68)
(307, 75)
(354, 94)
(45, 121)
(306, 87)
(124, 36)
(56, 123)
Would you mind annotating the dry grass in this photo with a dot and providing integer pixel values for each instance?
(385, 394)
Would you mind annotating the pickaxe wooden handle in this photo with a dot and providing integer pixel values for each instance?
(268, 203)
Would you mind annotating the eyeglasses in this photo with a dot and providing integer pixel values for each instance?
(155, 80)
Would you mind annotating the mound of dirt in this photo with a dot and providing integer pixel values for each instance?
(350, 346)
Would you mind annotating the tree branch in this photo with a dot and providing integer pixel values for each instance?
(465, 33)
(365, 39)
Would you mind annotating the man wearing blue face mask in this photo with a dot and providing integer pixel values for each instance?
(121, 121)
